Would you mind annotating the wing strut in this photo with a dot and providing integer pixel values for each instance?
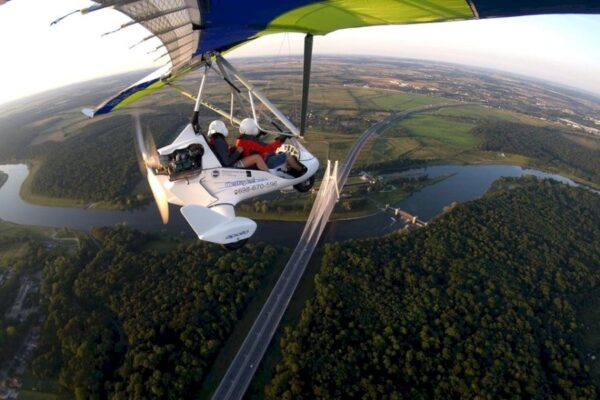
(308, 47)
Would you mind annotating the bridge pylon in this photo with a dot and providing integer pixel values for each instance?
(331, 178)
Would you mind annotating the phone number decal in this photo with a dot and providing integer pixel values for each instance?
(253, 188)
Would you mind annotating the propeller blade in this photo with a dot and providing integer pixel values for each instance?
(159, 195)
(145, 145)
(139, 144)
(149, 161)
(153, 157)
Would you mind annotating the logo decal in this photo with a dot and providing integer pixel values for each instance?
(244, 182)
(238, 234)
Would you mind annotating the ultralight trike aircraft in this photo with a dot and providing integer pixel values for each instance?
(188, 173)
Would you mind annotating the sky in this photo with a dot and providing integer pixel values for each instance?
(37, 57)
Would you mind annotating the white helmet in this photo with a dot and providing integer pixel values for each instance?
(249, 127)
(217, 126)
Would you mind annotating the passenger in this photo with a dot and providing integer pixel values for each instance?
(251, 144)
(230, 157)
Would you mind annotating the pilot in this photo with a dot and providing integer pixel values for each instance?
(249, 141)
(230, 157)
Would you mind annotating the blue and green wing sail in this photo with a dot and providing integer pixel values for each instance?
(190, 28)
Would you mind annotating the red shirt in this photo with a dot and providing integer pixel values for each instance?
(252, 145)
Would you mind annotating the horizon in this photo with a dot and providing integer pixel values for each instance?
(557, 85)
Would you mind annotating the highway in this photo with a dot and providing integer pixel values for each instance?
(244, 365)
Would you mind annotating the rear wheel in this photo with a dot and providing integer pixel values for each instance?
(305, 186)
(234, 245)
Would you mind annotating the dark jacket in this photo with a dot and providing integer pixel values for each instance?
(226, 156)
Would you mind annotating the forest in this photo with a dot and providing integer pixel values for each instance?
(545, 146)
(482, 303)
(99, 164)
(128, 318)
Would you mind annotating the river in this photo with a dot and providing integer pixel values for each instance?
(466, 183)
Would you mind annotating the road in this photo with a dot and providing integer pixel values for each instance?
(244, 365)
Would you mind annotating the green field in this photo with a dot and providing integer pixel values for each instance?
(12, 245)
(14, 239)
(442, 129)
(403, 101)
(441, 136)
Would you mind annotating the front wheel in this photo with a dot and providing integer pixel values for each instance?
(305, 186)
(234, 245)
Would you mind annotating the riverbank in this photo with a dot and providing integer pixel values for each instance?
(465, 158)
(460, 184)
(370, 202)
(275, 212)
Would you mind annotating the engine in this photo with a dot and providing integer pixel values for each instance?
(183, 163)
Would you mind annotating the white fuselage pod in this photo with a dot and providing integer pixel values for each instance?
(220, 189)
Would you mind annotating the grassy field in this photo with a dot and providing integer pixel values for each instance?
(444, 130)
(475, 113)
(403, 101)
(436, 138)
(441, 136)
(13, 247)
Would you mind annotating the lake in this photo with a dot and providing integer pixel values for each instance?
(467, 182)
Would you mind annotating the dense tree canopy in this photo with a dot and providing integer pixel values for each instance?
(99, 164)
(129, 323)
(479, 304)
(546, 146)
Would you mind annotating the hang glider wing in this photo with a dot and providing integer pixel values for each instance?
(189, 28)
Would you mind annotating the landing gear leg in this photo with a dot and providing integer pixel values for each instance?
(305, 186)
(235, 245)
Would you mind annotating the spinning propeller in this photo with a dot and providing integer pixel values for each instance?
(149, 158)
